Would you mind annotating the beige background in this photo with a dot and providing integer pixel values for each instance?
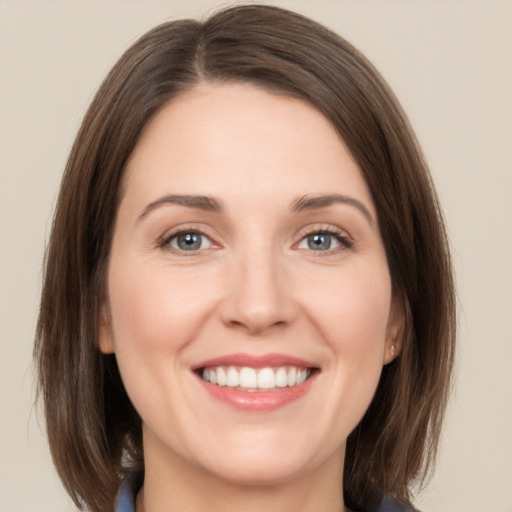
(449, 63)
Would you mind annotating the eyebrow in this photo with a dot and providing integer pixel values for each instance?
(209, 204)
(314, 202)
(204, 203)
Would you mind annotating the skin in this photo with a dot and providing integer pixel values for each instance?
(256, 287)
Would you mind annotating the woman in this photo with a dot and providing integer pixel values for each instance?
(248, 299)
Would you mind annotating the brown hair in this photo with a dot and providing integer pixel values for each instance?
(94, 432)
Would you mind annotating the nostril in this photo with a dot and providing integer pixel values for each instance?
(255, 325)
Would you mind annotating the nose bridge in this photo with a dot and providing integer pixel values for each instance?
(258, 297)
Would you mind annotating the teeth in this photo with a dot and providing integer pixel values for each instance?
(233, 378)
(281, 378)
(302, 375)
(292, 376)
(248, 378)
(251, 379)
(221, 377)
(266, 379)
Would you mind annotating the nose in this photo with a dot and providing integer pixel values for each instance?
(259, 296)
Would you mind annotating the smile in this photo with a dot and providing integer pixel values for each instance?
(257, 383)
(256, 379)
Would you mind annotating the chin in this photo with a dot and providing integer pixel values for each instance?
(263, 461)
(268, 472)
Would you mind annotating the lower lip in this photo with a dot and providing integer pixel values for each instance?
(258, 400)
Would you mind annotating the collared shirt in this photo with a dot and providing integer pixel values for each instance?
(126, 501)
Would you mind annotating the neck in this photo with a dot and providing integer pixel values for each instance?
(180, 486)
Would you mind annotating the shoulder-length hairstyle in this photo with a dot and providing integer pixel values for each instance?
(94, 431)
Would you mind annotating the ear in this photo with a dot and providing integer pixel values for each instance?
(396, 328)
(105, 336)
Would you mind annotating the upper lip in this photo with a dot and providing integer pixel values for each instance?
(255, 361)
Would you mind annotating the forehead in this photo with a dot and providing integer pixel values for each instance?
(241, 140)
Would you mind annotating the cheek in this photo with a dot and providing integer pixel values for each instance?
(353, 309)
(154, 318)
(152, 311)
(352, 314)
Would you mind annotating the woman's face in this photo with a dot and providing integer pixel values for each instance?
(247, 252)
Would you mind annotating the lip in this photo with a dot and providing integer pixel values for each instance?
(254, 361)
(256, 401)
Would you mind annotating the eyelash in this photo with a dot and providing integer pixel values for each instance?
(339, 235)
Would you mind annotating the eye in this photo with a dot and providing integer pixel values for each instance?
(323, 241)
(188, 241)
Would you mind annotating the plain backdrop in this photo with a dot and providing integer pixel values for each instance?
(450, 64)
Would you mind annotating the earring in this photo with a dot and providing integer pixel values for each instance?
(392, 350)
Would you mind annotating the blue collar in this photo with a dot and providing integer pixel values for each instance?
(125, 501)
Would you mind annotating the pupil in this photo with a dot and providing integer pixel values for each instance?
(190, 241)
(319, 242)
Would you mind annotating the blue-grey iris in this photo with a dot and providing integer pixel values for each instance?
(319, 242)
(189, 241)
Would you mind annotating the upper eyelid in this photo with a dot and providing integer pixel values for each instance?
(324, 228)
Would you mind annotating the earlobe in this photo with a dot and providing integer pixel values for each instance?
(105, 336)
(395, 330)
(393, 348)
